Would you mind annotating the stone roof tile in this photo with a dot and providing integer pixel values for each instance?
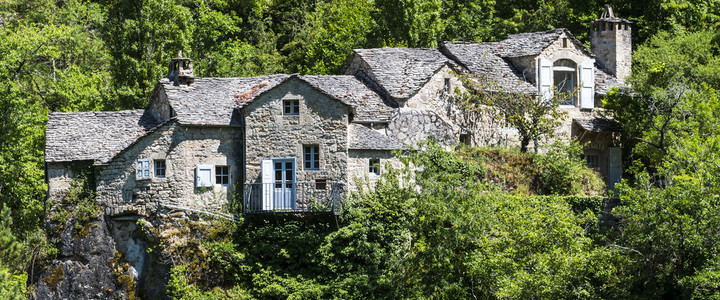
(402, 71)
(480, 58)
(531, 43)
(364, 138)
(211, 101)
(604, 80)
(368, 105)
(595, 124)
(94, 135)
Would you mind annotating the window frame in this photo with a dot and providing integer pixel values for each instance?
(566, 67)
(222, 178)
(291, 107)
(158, 170)
(312, 164)
(374, 166)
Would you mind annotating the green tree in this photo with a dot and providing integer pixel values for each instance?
(413, 23)
(533, 116)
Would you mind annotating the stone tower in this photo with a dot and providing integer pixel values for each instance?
(611, 42)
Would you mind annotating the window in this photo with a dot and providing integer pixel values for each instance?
(159, 168)
(592, 161)
(465, 139)
(142, 169)
(564, 79)
(128, 196)
(320, 184)
(564, 42)
(291, 107)
(374, 166)
(222, 175)
(311, 157)
(203, 175)
(447, 85)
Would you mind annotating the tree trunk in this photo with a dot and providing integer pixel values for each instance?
(524, 144)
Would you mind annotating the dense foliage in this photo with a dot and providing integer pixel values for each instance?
(475, 229)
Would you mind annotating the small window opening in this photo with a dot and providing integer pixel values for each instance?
(160, 168)
(320, 184)
(291, 107)
(465, 139)
(447, 85)
(222, 175)
(128, 196)
(311, 157)
(374, 166)
(592, 161)
(564, 42)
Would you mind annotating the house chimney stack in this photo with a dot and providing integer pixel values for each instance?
(611, 42)
(180, 71)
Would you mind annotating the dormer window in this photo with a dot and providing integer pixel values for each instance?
(564, 76)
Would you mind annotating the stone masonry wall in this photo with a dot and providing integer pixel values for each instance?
(359, 166)
(59, 177)
(321, 121)
(182, 148)
(612, 44)
(434, 112)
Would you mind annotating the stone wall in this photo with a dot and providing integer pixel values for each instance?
(58, 177)
(159, 104)
(182, 148)
(321, 121)
(611, 42)
(359, 166)
(434, 112)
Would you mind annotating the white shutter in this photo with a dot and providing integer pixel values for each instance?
(142, 169)
(587, 84)
(545, 80)
(203, 176)
(268, 180)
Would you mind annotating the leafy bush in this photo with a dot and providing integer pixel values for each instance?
(562, 172)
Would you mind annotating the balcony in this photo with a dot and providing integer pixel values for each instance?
(293, 198)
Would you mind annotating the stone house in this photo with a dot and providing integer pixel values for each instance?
(295, 143)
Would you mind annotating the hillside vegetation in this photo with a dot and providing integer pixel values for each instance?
(486, 223)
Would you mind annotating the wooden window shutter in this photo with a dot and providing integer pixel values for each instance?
(587, 84)
(203, 176)
(545, 80)
(142, 169)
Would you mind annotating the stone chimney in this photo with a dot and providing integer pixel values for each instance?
(611, 42)
(180, 71)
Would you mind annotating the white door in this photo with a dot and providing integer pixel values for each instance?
(284, 184)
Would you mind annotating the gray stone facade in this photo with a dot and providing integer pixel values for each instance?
(182, 148)
(321, 121)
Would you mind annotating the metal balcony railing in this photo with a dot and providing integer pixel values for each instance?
(295, 197)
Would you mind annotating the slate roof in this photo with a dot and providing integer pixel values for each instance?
(364, 138)
(480, 58)
(531, 43)
(604, 80)
(595, 124)
(211, 101)
(402, 71)
(368, 105)
(94, 135)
